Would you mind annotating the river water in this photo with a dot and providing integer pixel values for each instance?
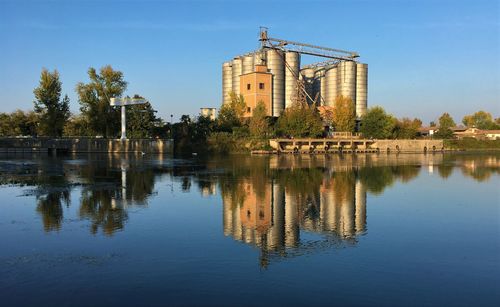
(373, 229)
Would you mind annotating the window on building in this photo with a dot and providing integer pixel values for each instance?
(249, 86)
(261, 86)
(248, 109)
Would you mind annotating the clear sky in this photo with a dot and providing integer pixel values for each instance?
(425, 57)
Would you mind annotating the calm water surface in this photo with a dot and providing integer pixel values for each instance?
(321, 230)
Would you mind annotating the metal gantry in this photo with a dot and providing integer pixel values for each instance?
(326, 52)
(123, 102)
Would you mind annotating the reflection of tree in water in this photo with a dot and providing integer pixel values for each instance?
(445, 170)
(100, 207)
(377, 179)
(49, 206)
(110, 191)
(108, 187)
(478, 167)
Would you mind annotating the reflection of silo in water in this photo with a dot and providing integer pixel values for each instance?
(236, 72)
(331, 85)
(291, 221)
(237, 227)
(277, 231)
(227, 81)
(276, 66)
(360, 200)
(328, 212)
(248, 235)
(227, 217)
(347, 216)
(291, 75)
(347, 79)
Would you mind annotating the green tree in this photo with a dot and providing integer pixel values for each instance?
(76, 125)
(300, 120)
(376, 123)
(344, 116)
(6, 128)
(231, 114)
(53, 113)
(259, 125)
(94, 100)
(407, 128)
(20, 123)
(480, 120)
(446, 122)
(141, 120)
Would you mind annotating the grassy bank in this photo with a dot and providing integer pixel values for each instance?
(471, 144)
(223, 142)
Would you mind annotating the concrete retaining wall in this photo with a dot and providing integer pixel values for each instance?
(8, 145)
(408, 145)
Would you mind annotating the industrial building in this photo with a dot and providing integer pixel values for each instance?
(273, 74)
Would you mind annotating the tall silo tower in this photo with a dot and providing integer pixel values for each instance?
(347, 79)
(331, 85)
(276, 67)
(236, 73)
(291, 76)
(227, 81)
(361, 89)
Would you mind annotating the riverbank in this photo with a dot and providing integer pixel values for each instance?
(470, 144)
(85, 145)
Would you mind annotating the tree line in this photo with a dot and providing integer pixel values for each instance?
(51, 116)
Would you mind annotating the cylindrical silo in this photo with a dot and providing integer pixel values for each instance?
(307, 75)
(276, 66)
(259, 58)
(319, 85)
(331, 85)
(247, 64)
(347, 79)
(291, 76)
(227, 81)
(236, 73)
(361, 89)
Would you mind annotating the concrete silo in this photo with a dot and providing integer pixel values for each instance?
(291, 75)
(227, 81)
(307, 75)
(361, 89)
(236, 72)
(276, 67)
(331, 85)
(319, 85)
(247, 64)
(347, 79)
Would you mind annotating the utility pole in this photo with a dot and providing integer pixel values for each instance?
(123, 102)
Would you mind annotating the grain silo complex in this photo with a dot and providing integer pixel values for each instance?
(274, 75)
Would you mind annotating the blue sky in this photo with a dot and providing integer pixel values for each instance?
(424, 57)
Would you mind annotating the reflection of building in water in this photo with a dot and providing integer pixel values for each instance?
(273, 216)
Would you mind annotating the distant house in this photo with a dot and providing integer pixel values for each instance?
(492, 134)
(476, 133)
(427, 131)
